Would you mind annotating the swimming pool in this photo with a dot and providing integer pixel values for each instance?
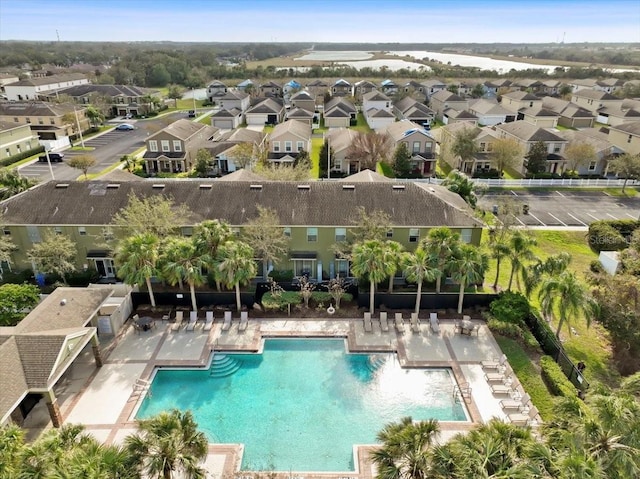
(302, 404)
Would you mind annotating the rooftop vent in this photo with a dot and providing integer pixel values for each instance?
(348, 187)
(398, 187)
(304, 187)
(113, 186)
(62, 185)
(206, 187)
(255, 187)
(158, 185)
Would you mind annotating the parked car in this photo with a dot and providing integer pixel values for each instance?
(192, 114)
(125, 127)
(53, 157)
(128, 116)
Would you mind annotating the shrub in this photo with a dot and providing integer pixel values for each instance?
(492, 173)
(83, 278)
(325, 297)
(281, 301)
(18, 277)
(513, 331)
(21, 156)
(596, 266)
(603, 236)
(555, 379)
(282, 276)
(510, 307)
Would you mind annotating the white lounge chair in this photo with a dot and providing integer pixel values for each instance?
(525, 419)
(501, 388)
(495, 377)
(244, 321)
(208, 324)
(495, 363)
(179, 316)
(516, 403)
(399, 323)
(415, 323)
(434, 323)
(227, 321)
(368, 327)
(193, 320)
(384, 323)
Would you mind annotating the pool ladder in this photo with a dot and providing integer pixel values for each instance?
(462, 390)
(142, 387)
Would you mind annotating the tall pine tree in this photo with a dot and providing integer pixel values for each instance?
(402, 161)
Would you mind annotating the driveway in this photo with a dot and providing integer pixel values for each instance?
(564, 208)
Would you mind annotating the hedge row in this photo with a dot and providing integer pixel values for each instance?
(555, 379)
(21, 156)
(611, 235)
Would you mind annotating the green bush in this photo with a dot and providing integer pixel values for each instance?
(21, 156)
(555, 379)
(603, 236)
(325, 298)
(282, 276)
(596, 266)
(83, 278)
(281, 301)
(506, 329)
(510, 307)
(18, 277)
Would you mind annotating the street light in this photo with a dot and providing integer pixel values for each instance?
(78, 124)
(46, 151)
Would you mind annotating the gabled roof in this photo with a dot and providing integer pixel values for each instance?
(488, 107)
(365, 84)
(375, 95)
(300, 113)
(318, 83)
(35, 108)
(598, 140)
(242, 175)
(434, 83)
(345, 105)
(446, 95)
(379, 113)
(521, 96)
(525, 131)
(270, 84)
(340, 139)
(185, 129)
(302, 95)
(538, 112)
(216, 84)
(244, 83)
(401, 129)
(336, 112)
(365, 176)
(224, 113)
(595, 94)
(233, 95)
(342, 82)
(632, 128)
(565, 108)
(107, 90)
(629, 115)
(49, 80)
(388, 83)
(298, 128)
(460, 114)
(267, 105)
(243, 135)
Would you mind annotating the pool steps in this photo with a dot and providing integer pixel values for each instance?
(223, 365)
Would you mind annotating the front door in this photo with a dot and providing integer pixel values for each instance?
(105, 267)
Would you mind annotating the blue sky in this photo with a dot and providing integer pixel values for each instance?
(515, 21)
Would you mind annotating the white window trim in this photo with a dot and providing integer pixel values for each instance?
(153, 145)
(177, 145)
(165, 145)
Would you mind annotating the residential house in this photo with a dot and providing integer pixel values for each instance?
(32, 88)
(454, 116)
(497, 86)
(245, 86)
(226, 119)
(583, 84)
(223, 146)
(527, 134)
(270, 90)
(216, 89)
(174, 148)
(415, 89)
(339, 112)
(340, 140)
(287, 140)
(570, 114)
(490, 112)
(234, 99)
(603, 148)
(410, 109)
(516, 100)
(529, 85)
(7, 78)
(433, 86)
(265, 111)
(609, 85)
(16, 139)
(443, 100)
(302, 115)
(362, 87)
(594, 100)
(124, 99)
(614, 117)
(464, 88)
(388, 87)
(303, 99)
(318, 89)
(538, 116)
(377, 107)
(379, 119)
(290, 88)
(626, 136)
(51, 122)
(341, 88)
(420, 144)
(484, 139)
(313, 214)
(551, 87)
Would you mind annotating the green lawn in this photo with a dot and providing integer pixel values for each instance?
(443, 168)
(385, 170)
(79, 148)
(511, 174)
(629, 192)
(362, 125)
(316, 146)
(267, 129)
(205, 120)
(188, 104)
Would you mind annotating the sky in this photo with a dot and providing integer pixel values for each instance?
(362, 21)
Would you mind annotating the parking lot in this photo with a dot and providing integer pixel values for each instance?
(566, 208)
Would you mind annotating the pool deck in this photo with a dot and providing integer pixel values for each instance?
(105, 400)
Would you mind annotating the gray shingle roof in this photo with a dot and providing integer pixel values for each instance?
(595, 94)
(446, 95)
(528, 132)
(34, 108)
(632, 127)
(520, 95)
(324, 203)
(185, 129)
(375, 96)
(49, 80)
(108, 90)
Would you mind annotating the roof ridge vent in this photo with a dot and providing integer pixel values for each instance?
(304, 187)
(62, 185)
(398, 187)
(206, 186)
(158, 185)
(348, 187)
(255, 187)
(113, 186)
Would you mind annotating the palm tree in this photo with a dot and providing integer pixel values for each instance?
(167, 443)
(12, 183)
(170, 253)
(186, 262)
(236, 266)
(520, 245)
(499, 250)
(468, 267)
(418, 267)
(136, 259)
(11, 444)
(209, 236)
(442, 244)
(370, 260)
(567, 295)
(394, 254)
(464, 144)
(404, 453)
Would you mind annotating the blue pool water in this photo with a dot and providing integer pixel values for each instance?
(303, 403)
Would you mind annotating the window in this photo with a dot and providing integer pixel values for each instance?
(342, 268)
(57, 230)
(465, 235)
(82, 231)
(341, 234)
(312, 235)
(107, 234)
(304, 267)
(629, 139)
(16, 119)
(187, 231)
(28, 120)
(34, 234)
(235, 231)
(416, 146)
(8, 151)
(177, 145)
(483, 146)
(40, 121)
(489, 146)
(390, 234)
(414, 235)
(593, 165)
(287, 146)
(6, 231)
(557, 147)
(153, 145)
(287, 232)
(52, 121)
(165, 145)
(276, 146)
(300, 146)
(530, 104)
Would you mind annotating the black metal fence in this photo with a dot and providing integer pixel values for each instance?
(427, 301)
(226, 298)
(551, 346)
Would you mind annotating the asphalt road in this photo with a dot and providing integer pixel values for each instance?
(109, 148)
(563, 208)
